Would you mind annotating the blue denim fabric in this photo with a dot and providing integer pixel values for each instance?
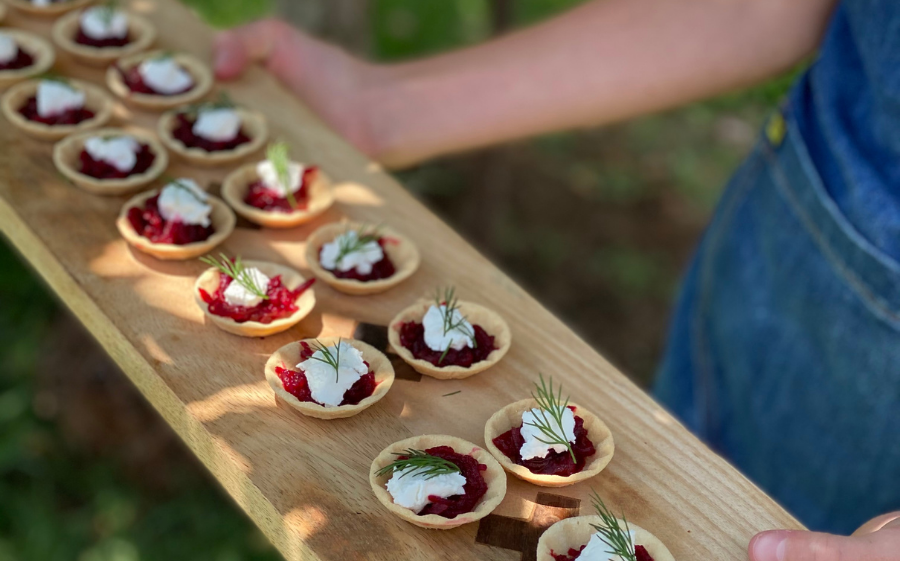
(784, 350)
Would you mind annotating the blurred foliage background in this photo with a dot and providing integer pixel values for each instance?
(598, 224)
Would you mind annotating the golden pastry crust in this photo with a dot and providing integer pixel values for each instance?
(223, 220)
(53, 10)
(288, 356)
(253, 123)
(209, 281)
(203, 82)
(37, 47)
(493, 476)
(141, 32)
(95, 99)
(235, 187)
(577, 531)
(67, 153)
(477, 315)
(2, 12)
(401, 251)
(511, 416)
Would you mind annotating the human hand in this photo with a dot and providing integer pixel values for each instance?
(876, 540)
(333, 83)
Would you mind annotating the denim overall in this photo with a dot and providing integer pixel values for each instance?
(784, 350)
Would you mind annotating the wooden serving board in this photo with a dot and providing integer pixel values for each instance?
(304, 481)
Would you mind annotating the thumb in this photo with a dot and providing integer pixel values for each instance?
(785, 545)
(237, 48)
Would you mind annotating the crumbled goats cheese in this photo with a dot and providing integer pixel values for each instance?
(55, 97)
(237, 294)
(218, 125)
(533, 447)
(597, 550)
(9, 49)
(164, 75)
(411, 490)
(361, 260)
(457, 338)
(120, 151)
(269, 177)
(327, 386)
(183, 200)
(104, 22)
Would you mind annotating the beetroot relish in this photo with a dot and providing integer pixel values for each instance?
(184, 131)
(135, 82)
(475, 486)
(22, 60)
(640, 552)
(555, 463)
(98, 169)
(82, 39)
(70, 117)
(261, 197)
(412, 337)
(382, 270)
(295, 383)
(281, 303)
(149, 223)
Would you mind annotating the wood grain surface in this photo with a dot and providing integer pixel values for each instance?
(304, 481)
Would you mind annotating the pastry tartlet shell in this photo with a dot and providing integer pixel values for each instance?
(403, 254)
(203, 82)
(577, 531)
(53, 10)
(511, 416)
(494, 476)
(234, 189)
(141, 31)
(289, 357)
(37, 47)
(222, 218)
(67, 152)
(253, 123)
(95, 99)
(2, 12)
(477, 315)
(209, 281)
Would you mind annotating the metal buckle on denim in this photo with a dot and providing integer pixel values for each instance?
(776, 128)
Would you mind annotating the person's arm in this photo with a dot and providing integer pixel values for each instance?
(604, 61)
(877, 540)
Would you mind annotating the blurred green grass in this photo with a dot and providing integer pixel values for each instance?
(58, 502)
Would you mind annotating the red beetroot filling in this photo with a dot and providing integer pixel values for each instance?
(135, 82)
(412, 337)
(82, 39)
(474, 488)
(69, 117)
(555, 463)
(149, 223)
(22, 60)
(639, 552)
(295, 383)
(184, 131)
(261, 197)
(281, 303)
(382, 270)
(98, 169)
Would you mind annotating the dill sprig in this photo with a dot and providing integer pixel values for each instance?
(551, 412)
(238, 273)
(277, 153)
(180, 184)
(447, 303)
(611, 532)
(419, 462)
(223, 101)
(332, 359)
(348, 245)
